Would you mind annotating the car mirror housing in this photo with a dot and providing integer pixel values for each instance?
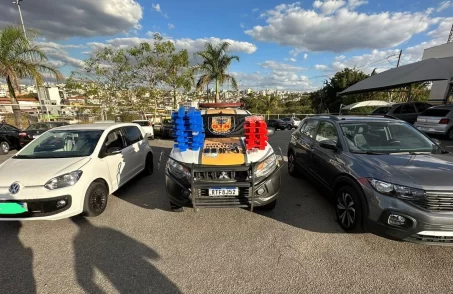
(270, 131)
(330, 145)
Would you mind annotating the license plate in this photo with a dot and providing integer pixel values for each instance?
(36, 136)
(224, 192)
(13, 208)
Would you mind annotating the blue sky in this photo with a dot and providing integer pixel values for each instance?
(285, 45)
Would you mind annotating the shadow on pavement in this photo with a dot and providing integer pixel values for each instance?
(303, 205)
(16, 273)
(148, 191)
(125, 262)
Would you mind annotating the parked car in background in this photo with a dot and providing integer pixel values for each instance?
(72, 170)
(166, 129)
(437, 120)
(36, 130)
(279, 124)
(9, 138)
(405, 111)
(294, 121)
(147, 127)
(385, 176)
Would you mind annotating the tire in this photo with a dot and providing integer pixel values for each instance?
(289, 127)
(4, 147)
(292, 169)
(269, 206)
(348, 210)
(450, 134)
(96, 199)
(176, 208)
(149, 165)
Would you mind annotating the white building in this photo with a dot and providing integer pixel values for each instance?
(441, 91)
(50, 99)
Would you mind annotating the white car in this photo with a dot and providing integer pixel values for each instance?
(72, 170)
(147, 127)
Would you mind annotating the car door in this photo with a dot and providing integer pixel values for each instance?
(12, 134)
(134, 153)
(408, 113)
(304, 140)
(119, 169)
(324, 162)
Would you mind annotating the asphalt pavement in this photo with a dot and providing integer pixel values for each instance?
(139, 246)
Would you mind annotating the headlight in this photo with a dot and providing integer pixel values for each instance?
(65, 180)
(178, 170)
(266, 166)
(396, 190)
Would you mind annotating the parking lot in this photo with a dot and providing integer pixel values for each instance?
(139, 246)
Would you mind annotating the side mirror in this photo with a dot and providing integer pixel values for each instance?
(330, 145)
(270, 131)
(437, 141)
(113, 151)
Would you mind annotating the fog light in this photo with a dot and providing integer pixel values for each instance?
(261, 191)
(396, 220)
(61, 203)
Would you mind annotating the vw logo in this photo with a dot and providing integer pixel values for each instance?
(14, 188)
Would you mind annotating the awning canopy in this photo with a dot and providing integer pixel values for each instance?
(366, 103)
(432, 69)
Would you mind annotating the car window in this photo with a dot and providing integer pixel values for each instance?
(422, 106)
(327, 132)
(142, 123)
(32, 127)
(436, 112)
(397, 110)
(309, 128)
(381, 110)
(114, 140)
(133, 135)
(10, 128)
(408, 108)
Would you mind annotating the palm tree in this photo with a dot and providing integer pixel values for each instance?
(21, 59)
(215, 65)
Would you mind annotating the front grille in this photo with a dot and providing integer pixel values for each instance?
(435, 201)
(222, 176)
(431, 239)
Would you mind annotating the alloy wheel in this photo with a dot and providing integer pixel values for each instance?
(346, 210)
(5, 147)
(98, 200)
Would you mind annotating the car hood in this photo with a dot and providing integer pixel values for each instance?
(36, 172)
(427, 171)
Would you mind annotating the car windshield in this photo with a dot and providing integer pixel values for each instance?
(385, 138)
(62, 144)
(32, 127)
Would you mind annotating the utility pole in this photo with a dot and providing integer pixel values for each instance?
(20, 14)
(399, 58)
(450, 37)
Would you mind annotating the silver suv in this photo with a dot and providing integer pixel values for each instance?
(437, 120)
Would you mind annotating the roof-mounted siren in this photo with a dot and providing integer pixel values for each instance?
(221, 105)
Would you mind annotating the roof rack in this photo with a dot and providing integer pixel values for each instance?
(331, 116)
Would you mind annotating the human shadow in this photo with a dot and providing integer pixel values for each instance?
(148, 191)
(304, 205)
(16, 273)
(125, 262)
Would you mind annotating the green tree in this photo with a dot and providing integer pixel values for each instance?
(179, 74)
(21, 59)
(214, 66)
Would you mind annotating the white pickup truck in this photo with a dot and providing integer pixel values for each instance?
(147, 127)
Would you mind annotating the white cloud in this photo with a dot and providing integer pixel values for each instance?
(291, 59)
(280, 67)
(242, 25)
(305, 56)
(443, 5)
(321, 67)
(328, 6)
(356, 3)
(291, 25)
(68, 18)
(59, 57)
(255, 9)
(156, 7)
(295, 52)
(171, 26)
(274, 80)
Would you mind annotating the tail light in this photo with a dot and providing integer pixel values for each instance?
(22, 134)
(149, 124)
(444, 121)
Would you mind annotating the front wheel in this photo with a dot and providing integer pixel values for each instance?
(292, 165)
(349, 210)
(149, 165)
(4, 147)
(289, 127)
(95, 199)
